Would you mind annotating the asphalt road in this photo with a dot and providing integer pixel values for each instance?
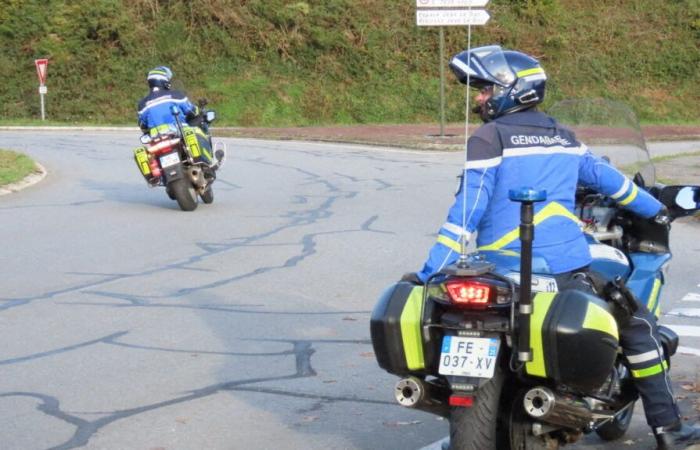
(128, 324)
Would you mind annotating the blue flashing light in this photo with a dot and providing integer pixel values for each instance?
(527, 194)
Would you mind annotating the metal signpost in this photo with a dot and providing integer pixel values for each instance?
(41, 65)
(431, 13)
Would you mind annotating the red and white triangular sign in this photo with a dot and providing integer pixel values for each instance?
(41, 65)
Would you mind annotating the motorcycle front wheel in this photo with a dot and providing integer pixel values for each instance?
(208, 195)
(185, 194)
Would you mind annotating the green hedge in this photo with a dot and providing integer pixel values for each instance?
(279, 62)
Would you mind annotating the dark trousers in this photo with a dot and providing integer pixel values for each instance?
(641, 345)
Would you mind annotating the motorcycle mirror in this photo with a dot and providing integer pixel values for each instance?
(210, 116)
(145, 139)
(681, 200)
(175, 110)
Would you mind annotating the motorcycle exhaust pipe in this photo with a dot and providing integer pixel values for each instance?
(546, 406)
(415, 393)
(197, 177)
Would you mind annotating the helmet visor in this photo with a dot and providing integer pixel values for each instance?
(483, 66)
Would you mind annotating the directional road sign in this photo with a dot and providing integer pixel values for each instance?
(451, 3)
(451, 17)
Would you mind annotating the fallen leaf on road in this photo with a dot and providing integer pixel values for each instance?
(401, 424)
(367, 354)
(352, 319)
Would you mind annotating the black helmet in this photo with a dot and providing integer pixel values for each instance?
(518, 80)
(159, 77)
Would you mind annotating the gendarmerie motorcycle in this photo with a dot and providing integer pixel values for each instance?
(513, 363)
(174, 158)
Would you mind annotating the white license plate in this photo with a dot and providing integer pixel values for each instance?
(468, 356)
(169, 159)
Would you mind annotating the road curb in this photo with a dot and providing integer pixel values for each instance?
(30, 180)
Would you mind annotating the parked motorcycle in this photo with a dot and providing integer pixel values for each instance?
(513, 363)
(176, 159)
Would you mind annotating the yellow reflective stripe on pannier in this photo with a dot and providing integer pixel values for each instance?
(541, 304)
(411, 329)
(192, 142)
(597, 318)
(553, 209)
(650, 371)
(142, 160)
(654, 296)
(627, 200)
(449, 243)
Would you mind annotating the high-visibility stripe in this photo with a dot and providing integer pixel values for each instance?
(161, 100)
(650, 371)
(449, 243)
(540, 305)
(654, 295)
(553, 209)
(456, 229)
(643, 357)
(411, 329)
(483, 163)
(597, 318)
(627, 200)
(526, 72)
(623, 189)
(542, 150)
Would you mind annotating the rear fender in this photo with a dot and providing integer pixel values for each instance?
(173, 173)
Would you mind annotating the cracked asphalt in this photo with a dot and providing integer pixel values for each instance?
(128, 324)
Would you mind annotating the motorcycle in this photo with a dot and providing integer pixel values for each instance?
(513, 363)
(175, 158)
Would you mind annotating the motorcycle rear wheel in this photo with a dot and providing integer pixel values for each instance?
(185, 194)
(495, 421)
(617, 427)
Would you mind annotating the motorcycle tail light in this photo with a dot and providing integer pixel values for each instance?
(469, 294)
(465, 401)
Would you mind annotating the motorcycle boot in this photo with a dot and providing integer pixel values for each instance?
(676, 436)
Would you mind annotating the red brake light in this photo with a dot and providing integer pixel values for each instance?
(468, 293)
(465, 401)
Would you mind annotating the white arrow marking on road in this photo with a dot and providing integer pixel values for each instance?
(684, 312)
(691, 297)
(685, 330)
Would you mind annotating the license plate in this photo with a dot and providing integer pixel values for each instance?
(169, 159)
(468, 356)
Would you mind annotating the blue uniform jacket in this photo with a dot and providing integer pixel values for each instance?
(154, 109)
(530, 149)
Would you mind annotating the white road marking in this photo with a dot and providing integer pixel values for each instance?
(685, 330)
(437, 445)
(684, 312)
(688, 351)
(691, 297)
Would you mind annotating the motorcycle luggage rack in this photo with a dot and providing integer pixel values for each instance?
(471, 269)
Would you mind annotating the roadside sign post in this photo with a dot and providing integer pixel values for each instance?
(442, 13)
(41, 66)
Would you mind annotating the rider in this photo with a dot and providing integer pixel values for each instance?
(155, 115)
(520, 146)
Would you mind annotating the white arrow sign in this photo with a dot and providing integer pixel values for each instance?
(451, 3)
(451, 17)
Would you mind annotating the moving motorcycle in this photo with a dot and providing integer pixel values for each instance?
(513, 363)
(178, 159)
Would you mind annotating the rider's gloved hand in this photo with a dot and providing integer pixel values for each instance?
(412, 277)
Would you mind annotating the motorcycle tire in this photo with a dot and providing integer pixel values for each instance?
(616, 428)
(208, 195)
(475, 427)
(170, 193)
(185, 194)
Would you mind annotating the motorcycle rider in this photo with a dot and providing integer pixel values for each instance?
(155, 115)
(520, 146)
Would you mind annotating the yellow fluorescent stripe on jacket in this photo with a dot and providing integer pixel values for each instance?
(553, 209)
(449, 243)
(627, 200)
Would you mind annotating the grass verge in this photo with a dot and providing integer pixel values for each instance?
(14, 166)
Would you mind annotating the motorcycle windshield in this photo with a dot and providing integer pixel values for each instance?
(610, 129)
